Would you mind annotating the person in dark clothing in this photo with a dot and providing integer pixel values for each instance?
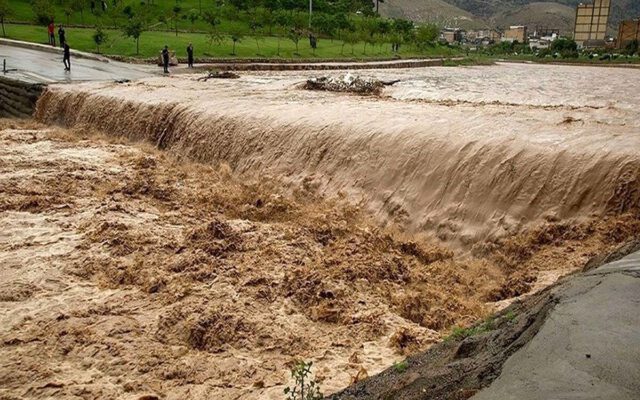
(62, 36)
(52, 36)
(190, 55)
(66, 58)
(165, 59)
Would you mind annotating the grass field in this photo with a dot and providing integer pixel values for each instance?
(22, 11)
(151, 43)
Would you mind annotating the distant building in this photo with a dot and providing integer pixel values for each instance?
(591, 23)
(516, 33)
(628, 31)
(482, 37)
(543, 42)
(452, 35)
(542, 37)
(544, 31)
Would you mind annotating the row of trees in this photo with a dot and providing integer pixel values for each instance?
(294, 25)
(284, 19)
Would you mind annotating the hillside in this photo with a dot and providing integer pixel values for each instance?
(435, 11)
(555, 13)
(544, 14)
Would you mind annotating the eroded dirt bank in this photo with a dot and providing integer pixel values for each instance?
(127, 271)
(463, 155)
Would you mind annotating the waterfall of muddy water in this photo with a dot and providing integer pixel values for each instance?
(462, 153)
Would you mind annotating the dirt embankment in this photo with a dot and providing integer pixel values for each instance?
(459, 172)
(128, 271)
(561, 327)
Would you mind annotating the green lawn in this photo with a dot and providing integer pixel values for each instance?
(22, 11)
(151, 43)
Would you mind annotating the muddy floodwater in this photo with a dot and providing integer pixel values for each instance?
(185, 239)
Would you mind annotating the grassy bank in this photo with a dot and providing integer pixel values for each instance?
(151, 43)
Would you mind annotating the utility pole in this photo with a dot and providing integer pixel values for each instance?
(310, 12)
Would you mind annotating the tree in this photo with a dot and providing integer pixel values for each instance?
(133, 29)
(282, 20)
(114, 14)
(193, 16)
(295, 34)
(567, 48)
(351, 38)
(255, 26)
(99, 38)
(128, 11)
(368, 29)
(325, 24)
(5, 11)
(342, 24)
(67, 9)
(236, 36)
(213, 20)
(43, 11)
(176, 14)
(404, 30)
(79, 5)
(296, 30)
(426, 35)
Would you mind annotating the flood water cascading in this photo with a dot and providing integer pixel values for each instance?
(461, 174)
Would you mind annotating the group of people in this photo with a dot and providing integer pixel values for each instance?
(66, 59)
(166, 56)
(62, 39)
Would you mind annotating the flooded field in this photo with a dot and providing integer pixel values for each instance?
(184, 239)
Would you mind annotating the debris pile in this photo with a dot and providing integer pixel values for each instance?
(347, 83)
(218, 75)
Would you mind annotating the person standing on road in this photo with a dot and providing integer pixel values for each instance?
(66, 58)
(165, 59)
(190, 55)
(52, 36)
(62, 36)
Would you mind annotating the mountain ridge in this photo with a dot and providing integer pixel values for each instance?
(475, 14)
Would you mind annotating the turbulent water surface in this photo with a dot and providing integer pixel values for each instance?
(460, 153)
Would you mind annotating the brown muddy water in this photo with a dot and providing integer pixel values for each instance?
(276, 224)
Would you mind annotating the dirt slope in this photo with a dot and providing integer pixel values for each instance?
(543, 14)
(433, 11)
(577, 339)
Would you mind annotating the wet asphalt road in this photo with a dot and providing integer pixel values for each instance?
(46, 67)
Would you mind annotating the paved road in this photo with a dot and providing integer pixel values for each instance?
(46, 67)
(588, 347)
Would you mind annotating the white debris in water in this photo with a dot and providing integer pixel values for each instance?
(345, 83)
